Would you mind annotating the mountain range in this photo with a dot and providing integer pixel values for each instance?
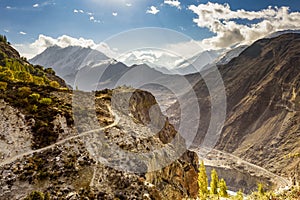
(69, 60)
(258, 140)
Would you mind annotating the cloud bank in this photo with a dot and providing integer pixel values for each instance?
(226, 23)
(43, 42)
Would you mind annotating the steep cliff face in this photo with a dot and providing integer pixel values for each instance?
(113, 150)
(263, 118)
(173, 171)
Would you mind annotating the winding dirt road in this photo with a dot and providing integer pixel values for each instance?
(14, 158)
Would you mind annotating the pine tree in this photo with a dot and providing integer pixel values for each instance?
(223, 188)
(214, 182)
(202, 181)
(3, 38)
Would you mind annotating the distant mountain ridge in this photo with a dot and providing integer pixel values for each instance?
(91, 68)
(68, 60)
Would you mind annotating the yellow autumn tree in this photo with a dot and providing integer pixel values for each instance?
(202, 181)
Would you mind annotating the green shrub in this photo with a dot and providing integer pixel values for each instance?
(35, 96)
(54, 84)
(64, 89)
(7, 75)
(24, 76)
(3, 85)
(38, 80)
(24, 91)
(34, 108)
(50, 71)
(45, 101)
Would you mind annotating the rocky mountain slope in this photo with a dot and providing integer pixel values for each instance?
(58, 148)
(263, 109)
(263, 99)
(99, 71)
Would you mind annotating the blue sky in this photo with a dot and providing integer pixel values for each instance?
(24, 20)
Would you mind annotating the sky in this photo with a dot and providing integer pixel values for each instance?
(33, 25)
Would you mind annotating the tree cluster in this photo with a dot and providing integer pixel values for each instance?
(218, 187)
(3, 39)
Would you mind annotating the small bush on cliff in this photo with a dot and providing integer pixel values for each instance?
(24, 76)
(24, 91)
(35, 97)
(6, 75)
(34, 108)
(50, 71)
(54, 84)
(3, 85)
(46, 101)
(38, 80)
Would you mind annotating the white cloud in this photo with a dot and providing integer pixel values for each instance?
(22, 33)
(62, 41)
(174, 3)
(115, 14)
(43, 42)
(128, 4)
(8, 7)
(89, 14)
(222, 20)
(153, 10)
(35, 5)
(6, 30)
